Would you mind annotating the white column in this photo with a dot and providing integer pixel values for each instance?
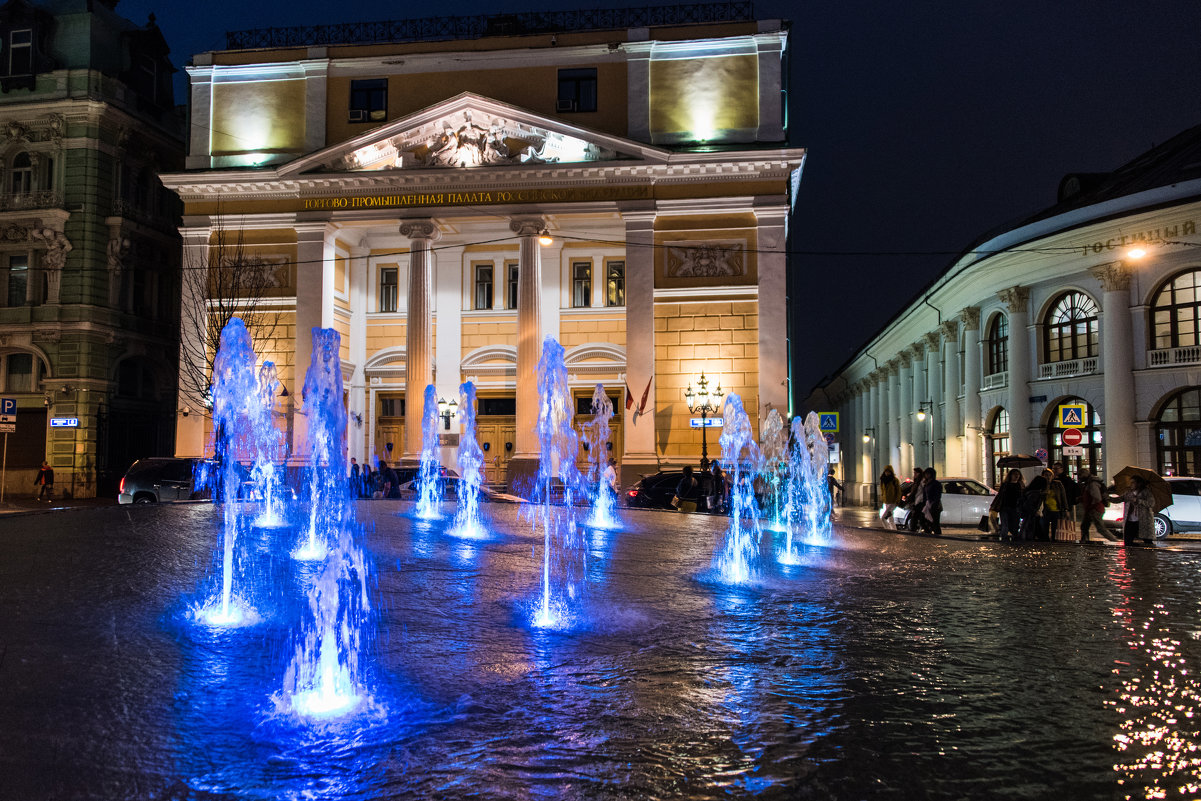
(551, 259)
(640, 454)
(971, 402)
(894, 412)
(905, 410)
(359, 293)
(1017, 303)
(314, 309)
(952, 420)
(921, 394)
(872, 448)
(448, 339)
(189, 428)
(419, 363)
(529, 343)
(771, 101)
(1117, 353)
(934, 395)
(883, 442)
(773, 309)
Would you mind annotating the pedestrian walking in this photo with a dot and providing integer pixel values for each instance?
(1071, 488)
(890, 496)
(356, 478)
(45, 478)
(1008, 505)
(1092, 505)
(717, 489)
(1055, 504)
(932, 508)
(685, 499)
(1032, 509)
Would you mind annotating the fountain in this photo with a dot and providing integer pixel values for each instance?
(242, 431)
(738, 561)
(429, 476)
(774, 469)
(819, 504)
(604, 497)
(471, 469)
(323, 678)
(561, 546)
(267, 473)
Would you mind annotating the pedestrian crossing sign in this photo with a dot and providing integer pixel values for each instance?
(1071, 415)
(828, 422)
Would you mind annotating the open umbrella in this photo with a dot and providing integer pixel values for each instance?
(1161, 491)
(1018, 460)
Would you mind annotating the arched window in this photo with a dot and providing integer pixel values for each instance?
(998, 445)
(1176, 312)
(20, 176)
(998, 345)
(21, 372)
(1090, 455)
(1178, 434)
(1071, 328)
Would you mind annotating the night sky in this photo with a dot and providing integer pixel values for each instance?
(927, 123)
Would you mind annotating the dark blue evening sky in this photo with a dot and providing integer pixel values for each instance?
(927, 123)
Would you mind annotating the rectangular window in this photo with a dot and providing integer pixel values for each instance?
(388, 289)
(19, 372)
(615, 283)
(493, 407)
(20, 52)
(577, 90)
(18, 279)
(391, 407)
(483, 286)
(583, 404)
(581, 284)
(369, 100)
(511, 272)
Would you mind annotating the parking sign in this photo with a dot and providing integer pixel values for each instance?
(8, 406)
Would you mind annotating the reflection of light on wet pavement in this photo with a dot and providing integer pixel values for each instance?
(1158, 742)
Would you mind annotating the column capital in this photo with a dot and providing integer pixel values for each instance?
(950, 331)
(970, 315)
(893, 367)
(932, 342)
(527, 226)
(905, 359)
(1114, 276)
(420, 229)
(1016, 299)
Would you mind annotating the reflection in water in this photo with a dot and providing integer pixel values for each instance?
(1157, 698)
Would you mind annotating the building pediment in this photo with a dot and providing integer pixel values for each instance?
(471, 131)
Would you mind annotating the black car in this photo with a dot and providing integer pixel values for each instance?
(654, 492)
(162, 479)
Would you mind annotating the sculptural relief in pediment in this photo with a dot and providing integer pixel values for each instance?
(460, 140)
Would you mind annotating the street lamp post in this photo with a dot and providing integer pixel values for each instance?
(705, 403)
(447, 409)
(926, 411)
(869, 436)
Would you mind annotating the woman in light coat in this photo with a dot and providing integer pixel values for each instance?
(890, 496)
(1138, 512)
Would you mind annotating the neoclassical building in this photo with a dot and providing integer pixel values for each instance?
(89, 246)
(1084, 321)
(446, 199)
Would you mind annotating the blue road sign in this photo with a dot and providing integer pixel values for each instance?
(828, 422)
(8, 405)
(1071, 415)
(64, 422)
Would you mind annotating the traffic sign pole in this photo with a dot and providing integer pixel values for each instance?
(3, 469)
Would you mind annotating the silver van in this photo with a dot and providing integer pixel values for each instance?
(161, 479)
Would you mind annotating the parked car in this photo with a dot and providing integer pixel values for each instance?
(450, 492)
(654, 491)
(160, 479)
(1183, 515)
(964, 502)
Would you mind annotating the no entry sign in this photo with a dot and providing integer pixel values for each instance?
(1072, 437)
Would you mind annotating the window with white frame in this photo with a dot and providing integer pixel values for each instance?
(388, 289)
(483, 286)
(615, 283)
(581, 284)
(511, 278)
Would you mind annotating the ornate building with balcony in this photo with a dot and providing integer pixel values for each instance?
(89, 246)
(1085, 316)
(446, 193)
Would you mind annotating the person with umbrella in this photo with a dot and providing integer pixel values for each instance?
(1143, 493)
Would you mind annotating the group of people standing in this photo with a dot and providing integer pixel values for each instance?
(712, 488)
(368, 483)
(924, 499)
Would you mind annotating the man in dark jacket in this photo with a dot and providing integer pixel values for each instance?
(932, 509)
(45, 477)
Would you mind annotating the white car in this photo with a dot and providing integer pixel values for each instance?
(1183, 515)
(964, 502)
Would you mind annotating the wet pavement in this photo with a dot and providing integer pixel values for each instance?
(874, 665)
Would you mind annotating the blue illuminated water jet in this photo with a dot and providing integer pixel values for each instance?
(267, 474)
(429, 475)
(738, 560)
(604, 497)
(774, 469)
(323, 678)
(471, 469)
(559, 445)
(242, 430)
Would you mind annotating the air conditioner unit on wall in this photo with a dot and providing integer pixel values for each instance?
(565, 105)
(358, 115)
